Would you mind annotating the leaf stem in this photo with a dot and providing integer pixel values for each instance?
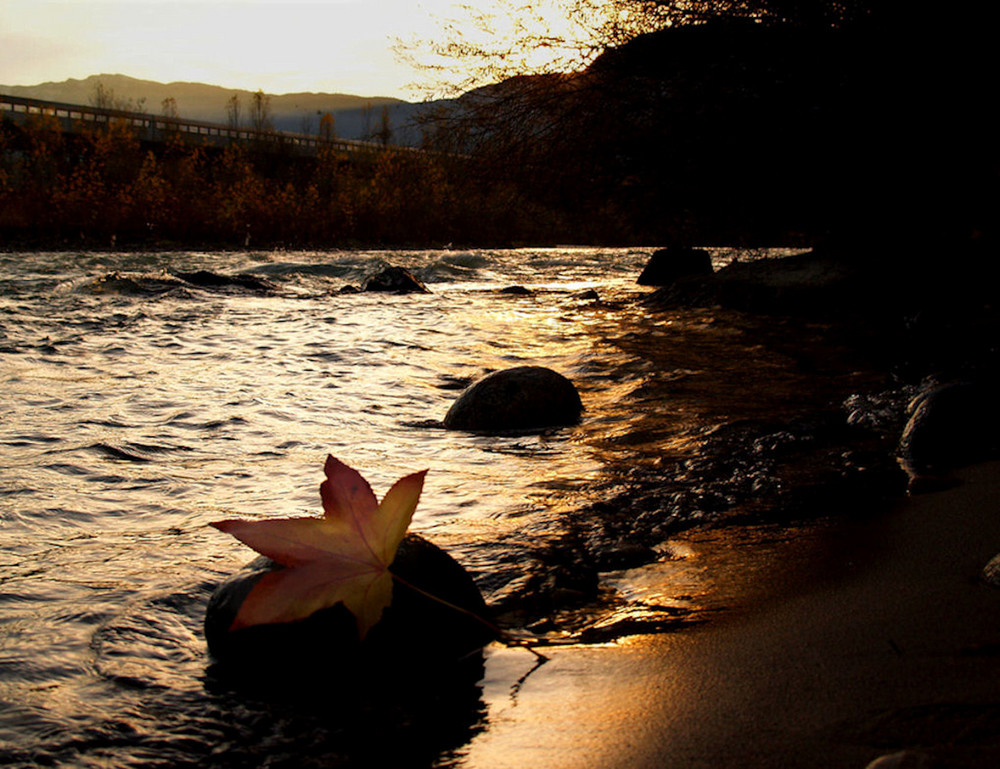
(502, 635)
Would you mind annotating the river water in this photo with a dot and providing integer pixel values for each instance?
(137, 407)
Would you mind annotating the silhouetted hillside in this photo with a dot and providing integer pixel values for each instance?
(728, 130)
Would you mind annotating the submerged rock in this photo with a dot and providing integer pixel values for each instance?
(208, 279)
(668, 264)
(413, 627)
(394, 280)
(515, 399)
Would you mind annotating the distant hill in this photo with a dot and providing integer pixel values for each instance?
(355, 117)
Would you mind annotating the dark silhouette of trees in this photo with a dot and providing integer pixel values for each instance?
(384, 133)
(260, 113)
(492, 42)
(234, 111)
(739, 119)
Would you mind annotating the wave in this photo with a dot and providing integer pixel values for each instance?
(130, 284)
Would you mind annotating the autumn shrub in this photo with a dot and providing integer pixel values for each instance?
(102, 185)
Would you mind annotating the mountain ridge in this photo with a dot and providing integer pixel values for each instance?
(355, 116)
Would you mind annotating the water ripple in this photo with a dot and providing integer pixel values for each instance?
(139, 407)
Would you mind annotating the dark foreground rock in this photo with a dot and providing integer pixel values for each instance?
(949, 426)
(668, 264)
(842, 282)
(515, 399)
(808, 283)
(414, 627)
(395, 280)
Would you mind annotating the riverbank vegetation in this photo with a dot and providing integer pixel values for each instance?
(103, 187)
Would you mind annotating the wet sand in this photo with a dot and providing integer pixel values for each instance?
(842, 643)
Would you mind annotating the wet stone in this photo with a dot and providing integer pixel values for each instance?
(668, 264)
(209, 279)
(516, 399)
(395, 280)
(413, 627)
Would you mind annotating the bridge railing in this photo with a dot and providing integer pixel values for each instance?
(161, 127)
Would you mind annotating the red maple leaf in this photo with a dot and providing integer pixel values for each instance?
(343, 557)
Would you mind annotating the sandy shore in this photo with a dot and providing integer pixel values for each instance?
(844, 643)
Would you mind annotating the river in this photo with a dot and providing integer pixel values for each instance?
(138, 407)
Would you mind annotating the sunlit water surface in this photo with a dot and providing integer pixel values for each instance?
(137, 408)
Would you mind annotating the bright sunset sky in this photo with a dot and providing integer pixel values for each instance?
(281, 46)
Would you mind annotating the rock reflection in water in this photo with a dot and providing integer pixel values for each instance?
(158, 700)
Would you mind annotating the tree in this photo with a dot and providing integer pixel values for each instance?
(500, 39)
(327, 127)
(260, 113)
(103, 97)
(234, 111)
(384, 134)
(662, 112)
(168, 107)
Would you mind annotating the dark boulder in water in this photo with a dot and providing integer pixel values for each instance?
(394, 280)
(949, 426)
(413, 627)
(668, 264)
(516, 399)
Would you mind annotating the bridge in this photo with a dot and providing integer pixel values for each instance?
(159, 128)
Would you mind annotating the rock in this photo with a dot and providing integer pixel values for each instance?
(991, 572)
(208, 279)
(516, 399)
(837, 281)
(949, 426)
(413, 627)
(668, 264)
(814, 283)
(516, 291)
(394, 280)
(132, 284)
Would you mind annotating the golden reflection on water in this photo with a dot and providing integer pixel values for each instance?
(226, 407)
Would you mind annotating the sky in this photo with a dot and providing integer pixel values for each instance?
(280, 46)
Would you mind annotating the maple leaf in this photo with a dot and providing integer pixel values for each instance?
(343, 557)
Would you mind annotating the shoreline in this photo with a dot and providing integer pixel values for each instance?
(848, 642)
